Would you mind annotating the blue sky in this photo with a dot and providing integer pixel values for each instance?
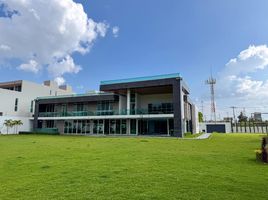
(161, 37)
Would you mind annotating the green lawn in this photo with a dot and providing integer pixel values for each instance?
(73, 167)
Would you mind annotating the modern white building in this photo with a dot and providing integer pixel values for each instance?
(17, 100)
(151, 105)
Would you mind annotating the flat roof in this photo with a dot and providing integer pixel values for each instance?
(11, 83)
(138, 79)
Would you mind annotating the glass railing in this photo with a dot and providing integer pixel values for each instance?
(104, 113)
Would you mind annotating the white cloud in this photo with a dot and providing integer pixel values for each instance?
(31, 66)
(101, 28)
(47, 32)
(243, 83)
(66, 65)
(249, 60)
(59, 80)
(115, 31)
(237, 77)
(4, 47)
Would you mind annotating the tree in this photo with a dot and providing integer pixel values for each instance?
(242, 117)
(8, 123)
(200, 117)
(17, 123)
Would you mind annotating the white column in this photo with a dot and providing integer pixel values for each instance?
(120, 104)
(137, 126)
(128, 101)
(128, 126)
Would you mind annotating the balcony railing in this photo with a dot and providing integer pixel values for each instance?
(104, 112)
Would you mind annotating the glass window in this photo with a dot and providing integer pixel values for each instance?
(112, 126)
(133, 126)
(50, 124)
(105, 108)
(124, 126)
(70, 127)
(16, 104)
(74, 126)
(100, 127)
(31, 110)
(66, 127)
(95, 126)
(79, 107)
(160, 108)
(118, 124)
(87, 127)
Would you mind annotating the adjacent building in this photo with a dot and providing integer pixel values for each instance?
(18, 98)
(155, 105)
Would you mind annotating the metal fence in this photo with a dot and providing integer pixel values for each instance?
(250, 127)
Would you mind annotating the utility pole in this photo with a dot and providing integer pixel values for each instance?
(202, 107)
(211, 82)
(233, 107)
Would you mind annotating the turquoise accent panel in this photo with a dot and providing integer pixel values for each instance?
(138, 79)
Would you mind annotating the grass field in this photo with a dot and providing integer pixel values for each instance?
(73, 167)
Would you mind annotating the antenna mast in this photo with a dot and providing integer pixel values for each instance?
(212, 82)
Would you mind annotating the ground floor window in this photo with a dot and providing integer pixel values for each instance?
(50, 124)
(155, 126)
(77, 127)
(133, 126)
(119, 126)
(101, 126)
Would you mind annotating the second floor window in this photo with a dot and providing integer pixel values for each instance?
(165, 108)
(79, 107)
(31, 109)
(105, 105)
(16, 104)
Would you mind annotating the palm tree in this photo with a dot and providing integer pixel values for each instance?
(17, 123)
(8, 123)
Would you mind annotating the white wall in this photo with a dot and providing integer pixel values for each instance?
(27, 124)
(7, 101)
(30, 91)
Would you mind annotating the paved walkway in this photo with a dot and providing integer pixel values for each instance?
(204, 136)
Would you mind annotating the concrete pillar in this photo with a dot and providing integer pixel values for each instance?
(137, 126)
(177, 106)
(128, 101)
(120, 104)
(60, 126)
(128, 126)
(36, 112)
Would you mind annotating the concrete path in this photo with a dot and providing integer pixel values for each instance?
(204, 136)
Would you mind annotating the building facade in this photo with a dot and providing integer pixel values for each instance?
(18, 98)
(156, 105)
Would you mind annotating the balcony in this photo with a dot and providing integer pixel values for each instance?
(105, 113)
